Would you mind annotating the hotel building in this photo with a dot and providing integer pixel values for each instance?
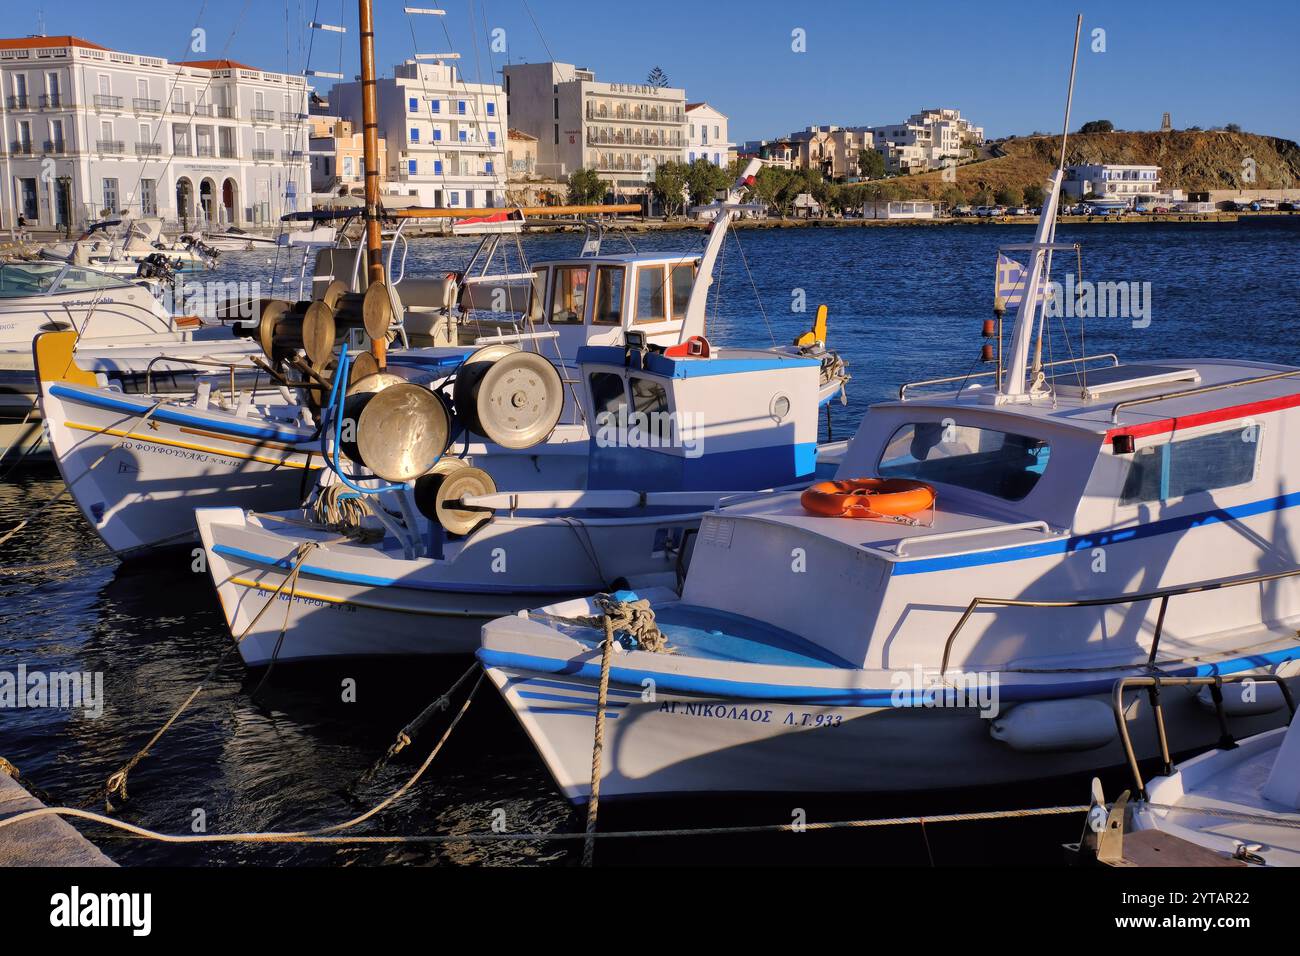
(624, 131)
(89, 131)
(1111, 181)
(446, 137)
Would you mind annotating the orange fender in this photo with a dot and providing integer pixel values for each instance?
(867, 497)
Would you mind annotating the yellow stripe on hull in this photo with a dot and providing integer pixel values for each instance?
(225, 453)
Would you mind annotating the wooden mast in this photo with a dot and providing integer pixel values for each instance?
(370, 152)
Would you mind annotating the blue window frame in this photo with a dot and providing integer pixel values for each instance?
(437, 135)
(411, 166)
(437, 167)
(414, 104)
(455, 199)
(464, 137)
(435, 106)
(415, 135)
(488, 167)
(492, 136)
(460, 107)
(492, 109)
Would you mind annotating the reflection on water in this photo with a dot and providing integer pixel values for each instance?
(904, 303)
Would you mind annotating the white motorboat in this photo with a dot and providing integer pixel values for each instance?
(1084, 524)
(235, 239)
(118, 246)
(1237, 803)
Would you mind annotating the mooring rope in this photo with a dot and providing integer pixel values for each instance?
(598, 745)
(323, 835)
(318, 835)
(408, 733)
(116, 783)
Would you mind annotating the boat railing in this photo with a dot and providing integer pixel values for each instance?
(1162, 595)
(900, 549)
(948, 380)
(1153, 685)
(232, 367)
(1201, 390)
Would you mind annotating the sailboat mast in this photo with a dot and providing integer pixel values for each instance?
(1060, 175)
(370, 152)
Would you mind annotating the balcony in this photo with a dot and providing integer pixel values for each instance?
(114, 146)
(292, 119)
(148, 149)
(204, 151)
(291, 156)
(54, 101)
(55, 147)
(647, 115)
(204, 109)
(181, 109)
(22, 102)
(227, 112)
(19, 148)
(105, 102)
(263, 116)
(263, 155)
(146, 106)
(228, 152)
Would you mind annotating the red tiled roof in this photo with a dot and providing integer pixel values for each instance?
(218, 65)
(42, 43)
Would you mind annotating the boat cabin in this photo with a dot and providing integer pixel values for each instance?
(1126, 481)
(728, 418)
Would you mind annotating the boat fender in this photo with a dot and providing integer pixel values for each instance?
(1245, 698)
(1047, 726)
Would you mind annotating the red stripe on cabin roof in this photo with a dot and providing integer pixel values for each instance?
(1207, 418)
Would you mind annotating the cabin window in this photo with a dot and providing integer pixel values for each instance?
(608, 396)
(1205, 463)
(995, 463)
(569, 302)
(650, 294)
(537, 297)
(648, 396)
(609, 296)
(683, 280)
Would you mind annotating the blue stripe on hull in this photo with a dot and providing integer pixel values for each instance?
(853, 697)
(1087, 542)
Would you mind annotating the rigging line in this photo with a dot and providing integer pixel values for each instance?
(202, 94)
(529, 10)
(753, 285)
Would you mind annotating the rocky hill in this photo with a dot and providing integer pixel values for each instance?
(1189, 160)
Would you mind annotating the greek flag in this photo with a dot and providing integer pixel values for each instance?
(1010, 282)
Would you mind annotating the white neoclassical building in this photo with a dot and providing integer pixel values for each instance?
(89, 131)
(446, 137)
(706, 135)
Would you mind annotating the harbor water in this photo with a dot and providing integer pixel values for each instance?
(291, 751)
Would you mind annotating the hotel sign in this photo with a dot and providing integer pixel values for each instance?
(633, 89)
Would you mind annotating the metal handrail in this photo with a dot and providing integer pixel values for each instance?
(232, 366)
(1042, 526)
(902, 389)
(1162, 595)
(1187, 392)
(1153, 685)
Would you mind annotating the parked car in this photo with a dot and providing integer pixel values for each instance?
(1161, 209)
(962, 210)
(1017, 211)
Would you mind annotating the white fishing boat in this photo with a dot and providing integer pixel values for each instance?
(235, 239)
(591, 503)
(225, 432)
(956, 612)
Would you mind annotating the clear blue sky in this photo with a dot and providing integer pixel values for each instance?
(1002, 64)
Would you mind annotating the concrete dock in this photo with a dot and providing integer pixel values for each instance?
(46, 841)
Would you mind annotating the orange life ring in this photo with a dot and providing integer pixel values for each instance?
(867, 497)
